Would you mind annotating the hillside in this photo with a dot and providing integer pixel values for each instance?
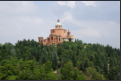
(29, 60)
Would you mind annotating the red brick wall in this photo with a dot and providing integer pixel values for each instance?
(59, 32)
(55, 40)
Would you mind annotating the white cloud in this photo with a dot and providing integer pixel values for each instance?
(18, 21)
(67, 16)
(85, 33)
(61, 3)
(106, 28)
(112, 23)
(92, 28)
(68, 3)
(34, 20)
(71, 4)
(18, 7)
(88, 3)
(90, 32)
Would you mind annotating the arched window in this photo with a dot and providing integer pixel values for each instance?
(51, 38)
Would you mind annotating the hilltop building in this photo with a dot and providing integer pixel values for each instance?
(57, 35)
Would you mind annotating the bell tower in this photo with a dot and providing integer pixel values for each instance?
(68, 33)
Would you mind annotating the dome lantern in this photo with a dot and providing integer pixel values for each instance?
(58, 24)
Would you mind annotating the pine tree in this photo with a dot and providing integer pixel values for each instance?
(41, 44)
(69, 39)
(75, 40)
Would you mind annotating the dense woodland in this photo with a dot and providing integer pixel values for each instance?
(30, 60)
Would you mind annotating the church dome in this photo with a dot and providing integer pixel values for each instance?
(58, 23)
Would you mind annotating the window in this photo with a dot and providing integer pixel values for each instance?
(51, 38)
(53, 31)
(59, 39)
(64, 31)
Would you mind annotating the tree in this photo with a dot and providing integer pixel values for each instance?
(112, 73)
(0, 45)
(92, 74)
(54, 60)
(75, 40)
(69, 39)
(70, 73)
(42, 73)
(80, 77)
(29, 61)
(36, 74)
(67, 71)
(37, 54)
(44, 56)
(48, 67)
(86, 64)
(51, 76)
(25, 74)
(41, 44)
(79, 42)
(13, 77)
(78, 64)
(74, 60)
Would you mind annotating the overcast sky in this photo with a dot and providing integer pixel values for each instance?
(89, 21)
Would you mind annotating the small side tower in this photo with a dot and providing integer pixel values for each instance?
(68, 33)
(40, 39)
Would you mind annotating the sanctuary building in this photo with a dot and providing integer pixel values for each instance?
(57, 35)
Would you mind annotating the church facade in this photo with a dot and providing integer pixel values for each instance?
(57, 35)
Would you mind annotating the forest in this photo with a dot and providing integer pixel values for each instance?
(30, 60)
